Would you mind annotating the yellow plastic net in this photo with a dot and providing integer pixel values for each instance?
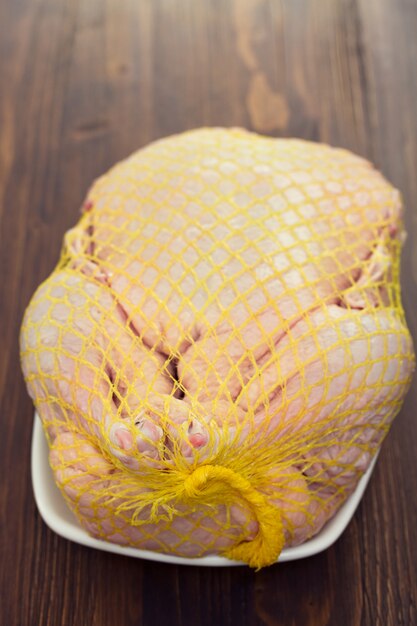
(221, 349)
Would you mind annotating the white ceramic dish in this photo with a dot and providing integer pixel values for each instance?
(59, 518)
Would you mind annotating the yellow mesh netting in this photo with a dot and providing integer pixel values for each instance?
(222, 348)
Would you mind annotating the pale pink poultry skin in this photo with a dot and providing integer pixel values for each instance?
(297, 243)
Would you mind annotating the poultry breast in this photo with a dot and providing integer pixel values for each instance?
(222, 348)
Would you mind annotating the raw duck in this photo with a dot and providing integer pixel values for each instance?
(222, 348)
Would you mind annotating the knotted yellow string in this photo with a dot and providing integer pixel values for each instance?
(214, 482)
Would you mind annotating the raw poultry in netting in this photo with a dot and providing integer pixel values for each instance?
(222, 348)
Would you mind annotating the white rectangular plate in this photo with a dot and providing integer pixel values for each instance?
(60, 519)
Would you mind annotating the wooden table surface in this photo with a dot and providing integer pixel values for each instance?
(84, 83)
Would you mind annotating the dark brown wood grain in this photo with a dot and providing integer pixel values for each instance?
(82, 84)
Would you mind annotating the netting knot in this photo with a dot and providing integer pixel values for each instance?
(219, 483)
